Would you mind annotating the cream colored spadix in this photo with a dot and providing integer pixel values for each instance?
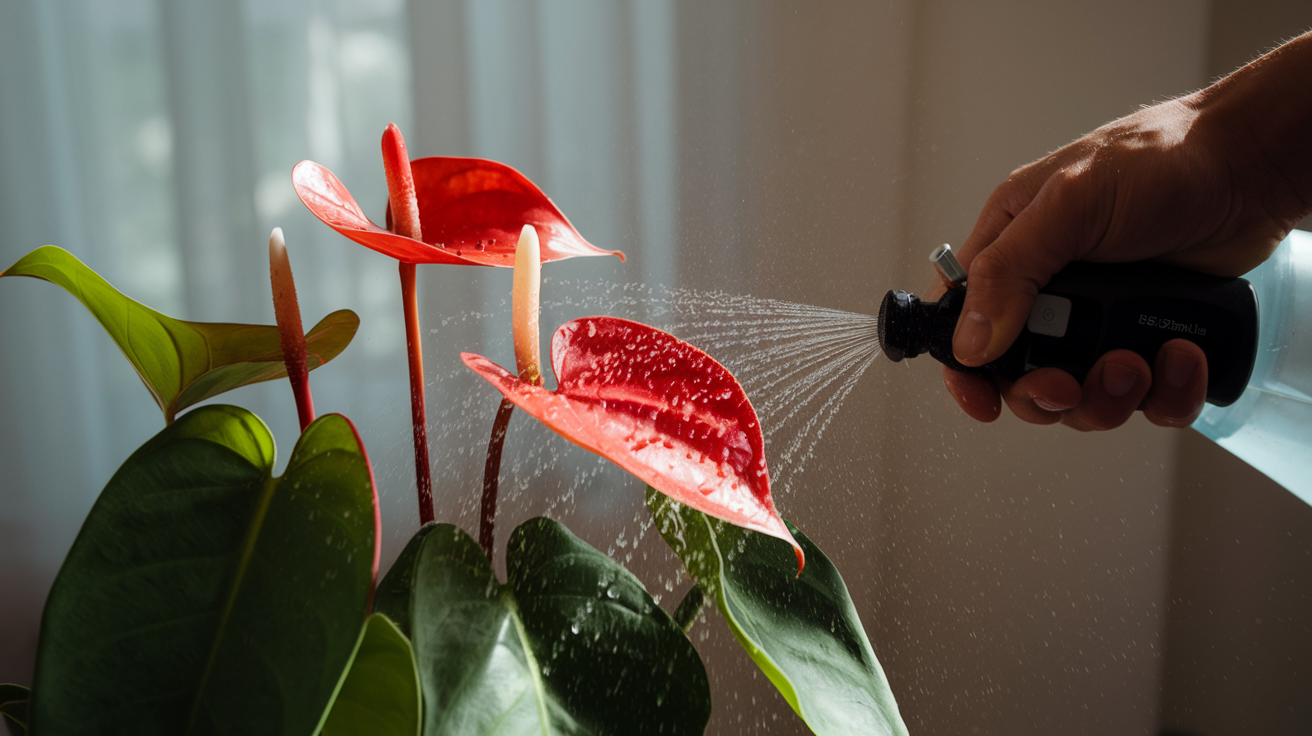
(524, 306)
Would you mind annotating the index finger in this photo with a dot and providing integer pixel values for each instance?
(1006, 201)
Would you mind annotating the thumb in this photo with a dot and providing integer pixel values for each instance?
(1006, 275)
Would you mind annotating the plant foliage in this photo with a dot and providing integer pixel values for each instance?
(182, 363)
(13, 708)
(802, 631)
(571, 643)
(203, 595)
(380, 693)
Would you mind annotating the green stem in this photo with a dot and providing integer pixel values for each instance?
(491, 474)
(691, 605)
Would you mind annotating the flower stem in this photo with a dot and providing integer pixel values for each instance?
(423, 479)
(691, 605)
(291, 336)
(524, 324)
(405, 221)
(491, 475)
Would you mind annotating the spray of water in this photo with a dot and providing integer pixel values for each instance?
(797, 364)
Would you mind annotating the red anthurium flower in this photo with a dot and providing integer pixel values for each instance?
(659, 408)
(471, 211)
(465, 211)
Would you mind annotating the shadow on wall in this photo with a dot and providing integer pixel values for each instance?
(1238, 645)
(23, 578)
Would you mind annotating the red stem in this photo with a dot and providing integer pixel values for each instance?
(404, 211)
(299, 376)
(423, 479)
(491, 475)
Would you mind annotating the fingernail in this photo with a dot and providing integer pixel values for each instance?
(1047, 405)
(1179, 368)
(1117, 379)
(972, 337)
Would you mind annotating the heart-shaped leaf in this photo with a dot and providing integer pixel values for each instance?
(803, 632)
(659, 408)
(203, 595)
(380, 694)
(570, 644)
(471, 211)
(13, 708)
(183, 363)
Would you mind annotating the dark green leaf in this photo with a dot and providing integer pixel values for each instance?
(571, 644)
(10, 693)
(802, 631)
(182, 363)
(380, 695)
(13, 708)
(202, 595)
(13, 715)
(393, 596)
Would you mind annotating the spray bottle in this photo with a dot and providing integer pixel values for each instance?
(1259, 357)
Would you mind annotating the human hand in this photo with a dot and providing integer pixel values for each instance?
(1168, 183)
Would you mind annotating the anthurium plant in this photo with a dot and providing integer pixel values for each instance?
(205, 595)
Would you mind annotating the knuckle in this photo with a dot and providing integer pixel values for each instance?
(992, 263)
(1003, 264)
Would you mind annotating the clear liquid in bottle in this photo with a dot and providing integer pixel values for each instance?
(1270, 426)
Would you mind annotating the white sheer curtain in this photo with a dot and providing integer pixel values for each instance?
(154, 139)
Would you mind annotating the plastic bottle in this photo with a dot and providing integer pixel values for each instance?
(1270, 426)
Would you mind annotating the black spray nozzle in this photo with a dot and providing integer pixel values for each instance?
(909, 327)
(901, 325)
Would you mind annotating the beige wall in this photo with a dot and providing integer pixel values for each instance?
(1238, 644)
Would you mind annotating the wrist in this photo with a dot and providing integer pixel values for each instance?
(1260, 120)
